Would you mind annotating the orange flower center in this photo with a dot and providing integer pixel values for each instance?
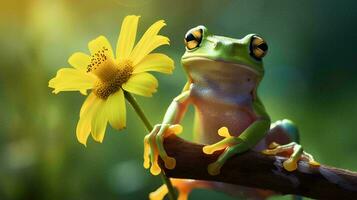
(111, 75)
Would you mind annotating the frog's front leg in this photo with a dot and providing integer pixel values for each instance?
(152, 152)
(153, 142)
(235, 145)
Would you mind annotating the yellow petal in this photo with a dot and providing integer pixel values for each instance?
(84, 124)
(127, 36)
(149, 42)
(99, 122)
(87, 104)
(79, 61)
(142, 84)
(84, 92)
(155, 62)
(83, 129)
(69, 79)
(116, 110)
(100, 43)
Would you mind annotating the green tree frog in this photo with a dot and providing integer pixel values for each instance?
(223, 76)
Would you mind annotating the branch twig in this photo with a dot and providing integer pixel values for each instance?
(254, 169)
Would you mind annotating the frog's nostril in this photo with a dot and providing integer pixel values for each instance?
(235, 45)
(218, 45)
(235, 48)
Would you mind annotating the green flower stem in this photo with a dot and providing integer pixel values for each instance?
(149, 127)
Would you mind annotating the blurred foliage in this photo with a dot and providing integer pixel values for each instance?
(310, 78)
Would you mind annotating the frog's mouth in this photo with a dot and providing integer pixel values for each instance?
(193, 61)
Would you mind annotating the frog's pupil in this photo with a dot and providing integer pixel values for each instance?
(263, 46)
(190, 37)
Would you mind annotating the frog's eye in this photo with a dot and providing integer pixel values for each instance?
(258, 47)
(193, 38)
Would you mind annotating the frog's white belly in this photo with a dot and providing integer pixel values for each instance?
(214, 111)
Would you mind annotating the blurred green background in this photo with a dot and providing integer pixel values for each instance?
(310, 78)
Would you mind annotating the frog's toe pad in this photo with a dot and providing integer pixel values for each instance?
(159, 194)
(269, 152)
(155, 169)
(176, 129)
(207, 149)
(224, 132)
(273, 145)
(170, 163)
(313, 163)
(214, 169)
(290, 165)
(146, 163)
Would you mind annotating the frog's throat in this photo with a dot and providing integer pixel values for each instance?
(188, 59)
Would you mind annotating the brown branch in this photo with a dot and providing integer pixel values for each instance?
(253, 169)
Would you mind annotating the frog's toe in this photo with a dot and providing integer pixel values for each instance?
(290, 164)
(269, 152)
(314, 163)
(273, 152)
(224, 132)
(159, 193)
(150, 151)
(155, 168)
(208, 149)
(214, 168)
(308, 157)
(154, 158)
(146, 153)
(170, 162)
(175, 129)
(224, 143)
(273, 145)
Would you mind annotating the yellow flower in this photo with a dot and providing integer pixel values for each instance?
(107, 75)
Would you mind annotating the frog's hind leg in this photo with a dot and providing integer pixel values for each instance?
(283, 132)
(183, 186)
(283, 139)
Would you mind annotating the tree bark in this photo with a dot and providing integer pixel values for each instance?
(253, 169)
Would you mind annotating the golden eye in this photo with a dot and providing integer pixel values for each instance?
(258, 47)
(193, 38)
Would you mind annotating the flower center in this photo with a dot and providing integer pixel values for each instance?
(111, 75)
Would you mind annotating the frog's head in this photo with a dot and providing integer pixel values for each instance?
(209, 55)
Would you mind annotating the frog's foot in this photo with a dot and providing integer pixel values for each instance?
(159, 193)
(232, 146)
(183, 186)
(154, 147)
(294, 152)
(210, 149)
